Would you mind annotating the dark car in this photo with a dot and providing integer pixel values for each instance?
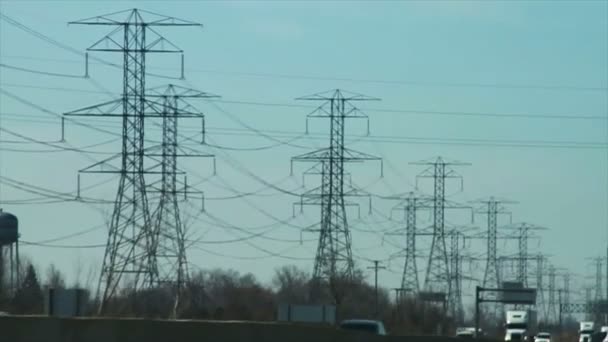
(370, 326)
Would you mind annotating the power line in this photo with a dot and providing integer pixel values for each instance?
(60, 45)
(60, 246)
(39, 72)
(44, 110)
(276, 135)
(58, 148)
(434, 112)
(372, 81)
(282, 254)
(69, 236)
(51, 194)
(378, 110)
(260, 235)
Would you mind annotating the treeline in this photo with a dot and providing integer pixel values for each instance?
(220, 294)
(28, 296)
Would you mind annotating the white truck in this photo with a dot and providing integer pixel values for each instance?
(586, 329)
(520, 325)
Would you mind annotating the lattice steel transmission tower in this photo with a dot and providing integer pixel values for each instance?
(522, 260)
(492, 208)
(566, 290)
(410, 205)
(588, 301)
(599, 292)
(540, 292)
(132, 243)
(334, 259)
(168, 229)
(437, 278)
(455, 300)
(553, 304)
(523, 234)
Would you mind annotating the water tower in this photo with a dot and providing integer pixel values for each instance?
(9, 246)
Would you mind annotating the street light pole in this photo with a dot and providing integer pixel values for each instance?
(376, 267)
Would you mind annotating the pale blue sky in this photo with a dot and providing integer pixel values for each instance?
(518, 57)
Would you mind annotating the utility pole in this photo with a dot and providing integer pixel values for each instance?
(398, 291)
(438, 277)
(376, 268)
(169, 231)
(131, 245)
(334, 261)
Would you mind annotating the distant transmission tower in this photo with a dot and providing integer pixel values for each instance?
(599, 293)
(410, 205)
(522, 260)
(456, 275)
(566, 296)
(492, 208)
(540, 297)
(553, 304)
(131, 245)
(437, 277)
(169, 231)
(334, 259)
(523, 234)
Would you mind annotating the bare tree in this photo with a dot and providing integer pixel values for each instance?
(54, 278)
(28, 298)
(291, 285)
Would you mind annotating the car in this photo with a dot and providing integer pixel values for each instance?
(365, 325)
(465, 332)
(542, 337)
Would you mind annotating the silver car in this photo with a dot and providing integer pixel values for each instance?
(542, 337)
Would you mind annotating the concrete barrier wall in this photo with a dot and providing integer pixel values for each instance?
(50, 329)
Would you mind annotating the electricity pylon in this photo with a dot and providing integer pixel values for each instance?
(553, 303)
(522, 235)
(566, 290)
(168, 229)
(437, 277)
(492, 208)
(410, 204)
(131, 244)
(457, 310)
(334, 259)
(540, 291)
(599, 293)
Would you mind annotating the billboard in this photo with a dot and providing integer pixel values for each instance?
(307, 313)
(515, 293)
(438, 297)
